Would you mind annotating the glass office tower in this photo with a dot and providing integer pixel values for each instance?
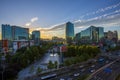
(7, 36)
(14, 33)
(7, 32)
(11, 33)
(69, 32)
(92, 34)
(20, 33)
(101, 32)
(64, 31)
(36, 37)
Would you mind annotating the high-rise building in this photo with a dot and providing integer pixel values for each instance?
(7, 32)
(7, 36)
(92, 34)
(64, 32)
(77, 37)
(69, 32)
(20, 33)
(11, 33)
(14, 33)
(36, 37)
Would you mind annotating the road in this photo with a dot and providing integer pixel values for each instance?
(75, 71)
(70, 72)
(115, 69)
(103, 75)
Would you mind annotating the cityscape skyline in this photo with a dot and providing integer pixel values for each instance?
(60, 39)
(103, 14)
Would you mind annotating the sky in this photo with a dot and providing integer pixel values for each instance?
(50, 15)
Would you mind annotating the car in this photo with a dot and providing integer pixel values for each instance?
(95, 60)
(101, 60)
(82, 70)
(107, 62)
(93, 66)
(76, 74)
(108, 69)
(93, 70)
(81, 66)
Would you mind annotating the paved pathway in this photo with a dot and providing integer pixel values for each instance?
(41, 63)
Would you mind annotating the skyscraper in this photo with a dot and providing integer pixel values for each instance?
(7, 32)
(7, 36)
(36, 37)
(69, 32)
(63, 31)
(11, 33)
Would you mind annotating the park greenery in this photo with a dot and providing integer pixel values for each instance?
(39, 70)
(76, 54)
(28, 55)
(52, 65)
(23, 58)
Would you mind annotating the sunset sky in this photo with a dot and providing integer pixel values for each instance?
(49, 16)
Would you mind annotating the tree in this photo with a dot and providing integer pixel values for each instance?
(8, 57)
(67, 62)
(56, 64)
(39, 70)
(50, 65)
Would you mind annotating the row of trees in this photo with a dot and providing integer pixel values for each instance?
(81, 50)
(78, 54)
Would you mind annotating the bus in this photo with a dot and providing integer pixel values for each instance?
(48, 76)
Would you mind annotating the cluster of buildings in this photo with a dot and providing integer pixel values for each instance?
(15, 37)
(96, 35)
(91, 35)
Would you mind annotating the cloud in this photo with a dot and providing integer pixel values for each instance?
(54, 27)
(100, 21)
(34, 19)
(31, 21)
(81, 27)
(27, 24)
(107, 19)
(101, 10)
